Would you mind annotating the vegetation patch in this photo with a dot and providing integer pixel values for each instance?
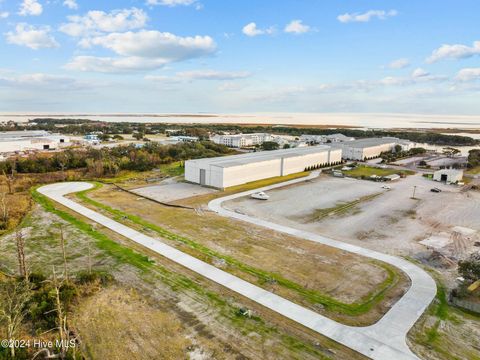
(264, 277)
(178, 282)
(363, 172)
(341, 209)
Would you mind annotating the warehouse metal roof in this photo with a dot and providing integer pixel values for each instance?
(254, 157)
(23, 134)
(369, 142)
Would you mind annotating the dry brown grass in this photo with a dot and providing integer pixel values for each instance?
(311, 265)
(119, 324)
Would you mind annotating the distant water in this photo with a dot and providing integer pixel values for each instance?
(365, 120)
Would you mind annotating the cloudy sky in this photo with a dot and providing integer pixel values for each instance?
(240, 56)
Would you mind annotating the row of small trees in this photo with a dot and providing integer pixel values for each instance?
(320, 166)
(108, 161)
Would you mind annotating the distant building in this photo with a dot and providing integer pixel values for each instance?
(226, 171)
(92, 139)
(364, 149)
(448, 175)
(171, 132)
(185, 138)
(392, 177)
(323, 139)
(19, 141)
(241, 140)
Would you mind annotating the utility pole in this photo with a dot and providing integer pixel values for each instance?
(414, 188)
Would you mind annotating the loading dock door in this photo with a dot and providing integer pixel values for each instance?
(202, 177)
(444, 177)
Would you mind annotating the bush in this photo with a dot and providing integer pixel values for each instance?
(102, 277)
(42, 309)
(469, 269)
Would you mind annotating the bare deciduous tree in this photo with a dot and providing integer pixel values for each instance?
(14, 296)
(10, 178)
(22, 264)
(4, 209)
(64, 253)
(61, 317)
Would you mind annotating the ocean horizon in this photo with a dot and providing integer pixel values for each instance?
(357, 120)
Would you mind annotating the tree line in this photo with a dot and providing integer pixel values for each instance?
(108, 161)
(84, 126)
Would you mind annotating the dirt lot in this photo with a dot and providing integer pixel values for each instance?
(310, 266)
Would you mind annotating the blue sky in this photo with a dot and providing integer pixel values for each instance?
(240, 56)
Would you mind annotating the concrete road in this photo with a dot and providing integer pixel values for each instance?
(384, 340)
(391, 330)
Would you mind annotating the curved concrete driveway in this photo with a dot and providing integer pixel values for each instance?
(384, 340)
(391, 330)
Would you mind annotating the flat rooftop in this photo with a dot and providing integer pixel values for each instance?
(23, 134)
(369, 142)
(249, 158)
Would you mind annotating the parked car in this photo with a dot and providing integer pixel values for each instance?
(386, 187)
(260, 196)
(435, 190)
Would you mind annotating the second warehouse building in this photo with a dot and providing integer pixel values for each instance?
(226, 171)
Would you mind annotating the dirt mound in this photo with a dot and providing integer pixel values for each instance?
(438, 260)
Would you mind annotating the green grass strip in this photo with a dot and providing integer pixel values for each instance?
(103, 242)
(314, 297)
(176, 281)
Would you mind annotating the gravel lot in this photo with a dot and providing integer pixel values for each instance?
(171, 190)
(391, 222)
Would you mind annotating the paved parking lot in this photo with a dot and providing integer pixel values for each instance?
(169, 191)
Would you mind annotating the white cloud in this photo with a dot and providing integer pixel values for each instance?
(230, 86)
(367, 16)
(171, 3)
(41, 81)
(417, 76)
(4, 15)
(456, 51)
(31, 36)
(155, 44)
(468, 74)
(142, 50)
(71, 4)
(113, 64)
(30, 7)
(96, 21)
(394, 81)
(399, 64)
(296, 27)
(419, 73)
(251, 30)
(212, 75)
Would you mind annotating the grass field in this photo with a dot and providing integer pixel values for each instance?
(367, 171)
(208, 314)
(200, 240)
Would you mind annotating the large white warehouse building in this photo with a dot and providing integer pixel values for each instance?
(226, 171)
(370, 148)
(448, 175)
(17, 141)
